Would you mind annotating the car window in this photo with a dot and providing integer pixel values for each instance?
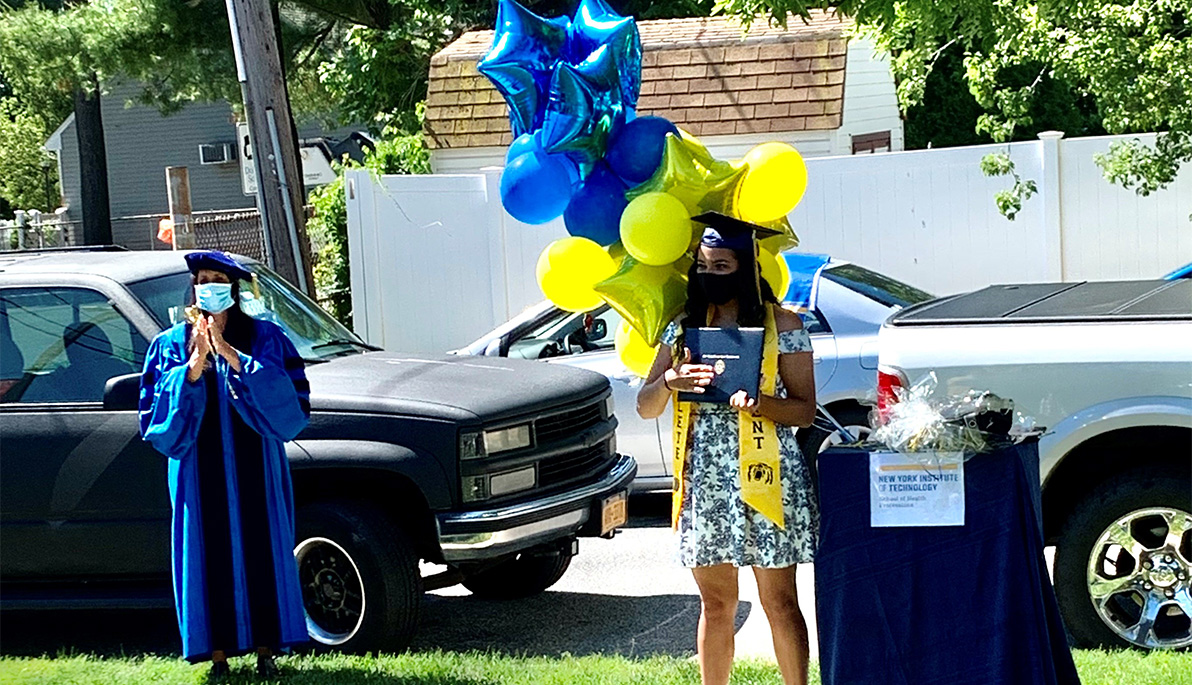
(814, 322)
(587, 332)
(63, 344)
(875, 286)
(314, 333)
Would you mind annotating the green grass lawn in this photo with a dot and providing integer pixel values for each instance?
(1096, 668)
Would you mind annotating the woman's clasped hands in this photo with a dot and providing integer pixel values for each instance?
(206, 339)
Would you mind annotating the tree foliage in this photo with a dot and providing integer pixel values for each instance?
(1128, 62)
(30, 178)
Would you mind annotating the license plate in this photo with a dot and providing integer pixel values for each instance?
(614, 512)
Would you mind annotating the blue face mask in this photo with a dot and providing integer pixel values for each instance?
(214, 297)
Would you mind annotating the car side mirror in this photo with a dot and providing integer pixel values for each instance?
(122, 393)
(599, 330)
(493, 348)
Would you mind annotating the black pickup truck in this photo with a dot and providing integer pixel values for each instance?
(490, 467)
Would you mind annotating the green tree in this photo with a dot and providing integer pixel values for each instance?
(29, 178)
(947, 114)
(1127, 62)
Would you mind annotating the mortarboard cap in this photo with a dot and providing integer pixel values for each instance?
(216, 261)
(724, 231)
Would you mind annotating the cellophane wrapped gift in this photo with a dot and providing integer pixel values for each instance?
(974, 422)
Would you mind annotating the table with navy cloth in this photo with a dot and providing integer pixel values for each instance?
(948, 604)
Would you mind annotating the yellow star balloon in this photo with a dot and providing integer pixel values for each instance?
(690, 173)
(786, 239)
(648, 297)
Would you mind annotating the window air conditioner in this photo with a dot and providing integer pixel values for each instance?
(217, 153)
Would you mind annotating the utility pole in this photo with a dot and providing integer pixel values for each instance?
(93, 162)
(281, 192)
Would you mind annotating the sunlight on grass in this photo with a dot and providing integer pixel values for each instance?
(1096, 668)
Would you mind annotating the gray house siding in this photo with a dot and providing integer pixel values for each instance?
(141, 143)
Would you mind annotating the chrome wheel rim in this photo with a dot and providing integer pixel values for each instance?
(332, 591)
(835, 439)
(1140, 578)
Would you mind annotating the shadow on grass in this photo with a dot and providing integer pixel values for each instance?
(555, 623)
(550, 624)
(345, 675)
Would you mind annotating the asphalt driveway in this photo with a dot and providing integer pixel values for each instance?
(623, 596)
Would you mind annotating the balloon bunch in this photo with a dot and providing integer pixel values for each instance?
(626, 186)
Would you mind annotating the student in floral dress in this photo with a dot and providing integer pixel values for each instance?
(718, 531)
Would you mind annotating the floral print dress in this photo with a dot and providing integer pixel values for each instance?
(715, 524)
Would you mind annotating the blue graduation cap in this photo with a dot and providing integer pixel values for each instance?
(725, 231)
(216, 261)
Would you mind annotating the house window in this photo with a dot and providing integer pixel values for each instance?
(871, 142)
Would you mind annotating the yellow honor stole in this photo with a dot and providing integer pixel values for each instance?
(761, 484)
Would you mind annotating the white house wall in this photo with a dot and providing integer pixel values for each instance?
(809, 144)
(870, 98)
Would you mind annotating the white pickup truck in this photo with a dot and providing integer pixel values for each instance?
(1106, 368)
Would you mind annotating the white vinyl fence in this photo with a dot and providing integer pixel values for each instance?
(436, 262)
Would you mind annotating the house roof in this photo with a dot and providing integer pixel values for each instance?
(704, 74)
(54, 142)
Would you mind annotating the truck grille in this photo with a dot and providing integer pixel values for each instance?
(567, 467)
(568, 423)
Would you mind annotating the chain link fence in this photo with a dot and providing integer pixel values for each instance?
(234, 230)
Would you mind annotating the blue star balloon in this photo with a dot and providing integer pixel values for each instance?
(585, 108)
(521, 61)
(596, 24)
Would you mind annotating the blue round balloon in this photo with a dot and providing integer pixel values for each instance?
(536, 187)
(635, 153)
(595, 210)
(521, 145)
(532, 143)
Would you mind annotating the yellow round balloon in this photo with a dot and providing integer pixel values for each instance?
(774, 183)
(656, 229)
(775, 272)
(635, 353)
(569, 269)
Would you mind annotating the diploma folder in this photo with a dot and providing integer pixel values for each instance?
(735, 355)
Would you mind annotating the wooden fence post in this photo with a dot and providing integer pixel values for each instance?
(178, 191)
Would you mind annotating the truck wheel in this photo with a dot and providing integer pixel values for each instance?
(361, 586)
(526, 574)
(1123, 564)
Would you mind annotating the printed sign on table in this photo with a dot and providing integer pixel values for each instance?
(924, 490)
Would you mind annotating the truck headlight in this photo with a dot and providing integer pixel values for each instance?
(506, 439)
(471, 445)
(477, 445)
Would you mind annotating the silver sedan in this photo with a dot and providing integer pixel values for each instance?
(843, 306)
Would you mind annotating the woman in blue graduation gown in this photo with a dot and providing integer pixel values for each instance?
(220, 397)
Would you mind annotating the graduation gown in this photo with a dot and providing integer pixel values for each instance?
(236, 582)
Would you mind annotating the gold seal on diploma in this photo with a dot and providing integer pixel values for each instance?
(719, 367)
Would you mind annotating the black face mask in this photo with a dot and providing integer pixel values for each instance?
(719, 288)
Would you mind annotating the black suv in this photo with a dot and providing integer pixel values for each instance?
(490, 466)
